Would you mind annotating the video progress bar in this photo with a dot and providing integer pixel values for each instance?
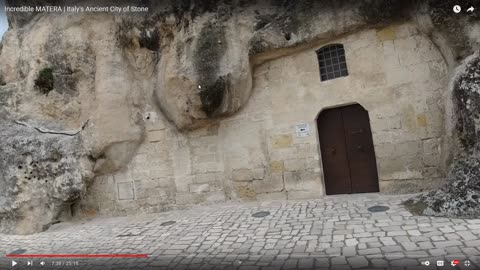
(76, 256)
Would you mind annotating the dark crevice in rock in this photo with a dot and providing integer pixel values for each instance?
(208, 55)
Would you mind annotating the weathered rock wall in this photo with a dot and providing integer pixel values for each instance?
(189, 63)
(395, 73)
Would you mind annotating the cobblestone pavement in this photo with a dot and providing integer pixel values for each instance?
(336, 232)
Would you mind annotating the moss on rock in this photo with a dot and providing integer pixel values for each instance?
(44, 81)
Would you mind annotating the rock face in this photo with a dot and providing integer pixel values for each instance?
(42, 173)
(460, 197)
(77, 91)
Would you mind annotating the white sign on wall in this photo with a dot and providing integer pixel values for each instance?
(302, 130)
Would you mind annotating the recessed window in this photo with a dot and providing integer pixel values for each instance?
(332, 62)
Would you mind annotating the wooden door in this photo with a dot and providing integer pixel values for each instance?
(348, 155)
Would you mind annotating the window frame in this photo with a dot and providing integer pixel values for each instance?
(332, 62)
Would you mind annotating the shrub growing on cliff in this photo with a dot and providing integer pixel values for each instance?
(44, 81)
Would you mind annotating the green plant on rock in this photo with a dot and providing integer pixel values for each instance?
(44, 81)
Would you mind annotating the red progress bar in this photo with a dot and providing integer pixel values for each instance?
(77, 256)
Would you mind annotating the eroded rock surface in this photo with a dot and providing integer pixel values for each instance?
(190, 60)
(460, 197)
(42, 173)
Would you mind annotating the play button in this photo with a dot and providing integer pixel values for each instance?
(14, 263)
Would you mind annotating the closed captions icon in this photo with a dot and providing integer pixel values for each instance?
(457, 9)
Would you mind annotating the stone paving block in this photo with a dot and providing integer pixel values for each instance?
(466, 235)
(339, 260)
(396, 233)
(471, 251)
(322, 262)
(440, 244)
(414, 232)
(351, 242)
(438, 238)
(369, 251)
(379, 263)
(404, 262)
(438, 252)
(349, 251)
(368, 239)
(409, 246)
(358, 262)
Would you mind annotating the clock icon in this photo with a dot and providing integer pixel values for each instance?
(457, 9)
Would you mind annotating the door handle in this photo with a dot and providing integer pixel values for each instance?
(360, 148)
(332, 151)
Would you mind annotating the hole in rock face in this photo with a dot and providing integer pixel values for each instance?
(288, 36)
(261, 214)
(20, 167)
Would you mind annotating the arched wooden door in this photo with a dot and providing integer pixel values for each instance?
(348, 155)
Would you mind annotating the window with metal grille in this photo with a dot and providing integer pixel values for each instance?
(332, 62)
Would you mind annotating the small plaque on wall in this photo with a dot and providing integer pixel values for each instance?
(302, 130)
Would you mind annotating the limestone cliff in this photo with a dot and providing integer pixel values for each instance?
(461, 196)
(77, 89)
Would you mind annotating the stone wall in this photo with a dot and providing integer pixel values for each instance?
(395, 73)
